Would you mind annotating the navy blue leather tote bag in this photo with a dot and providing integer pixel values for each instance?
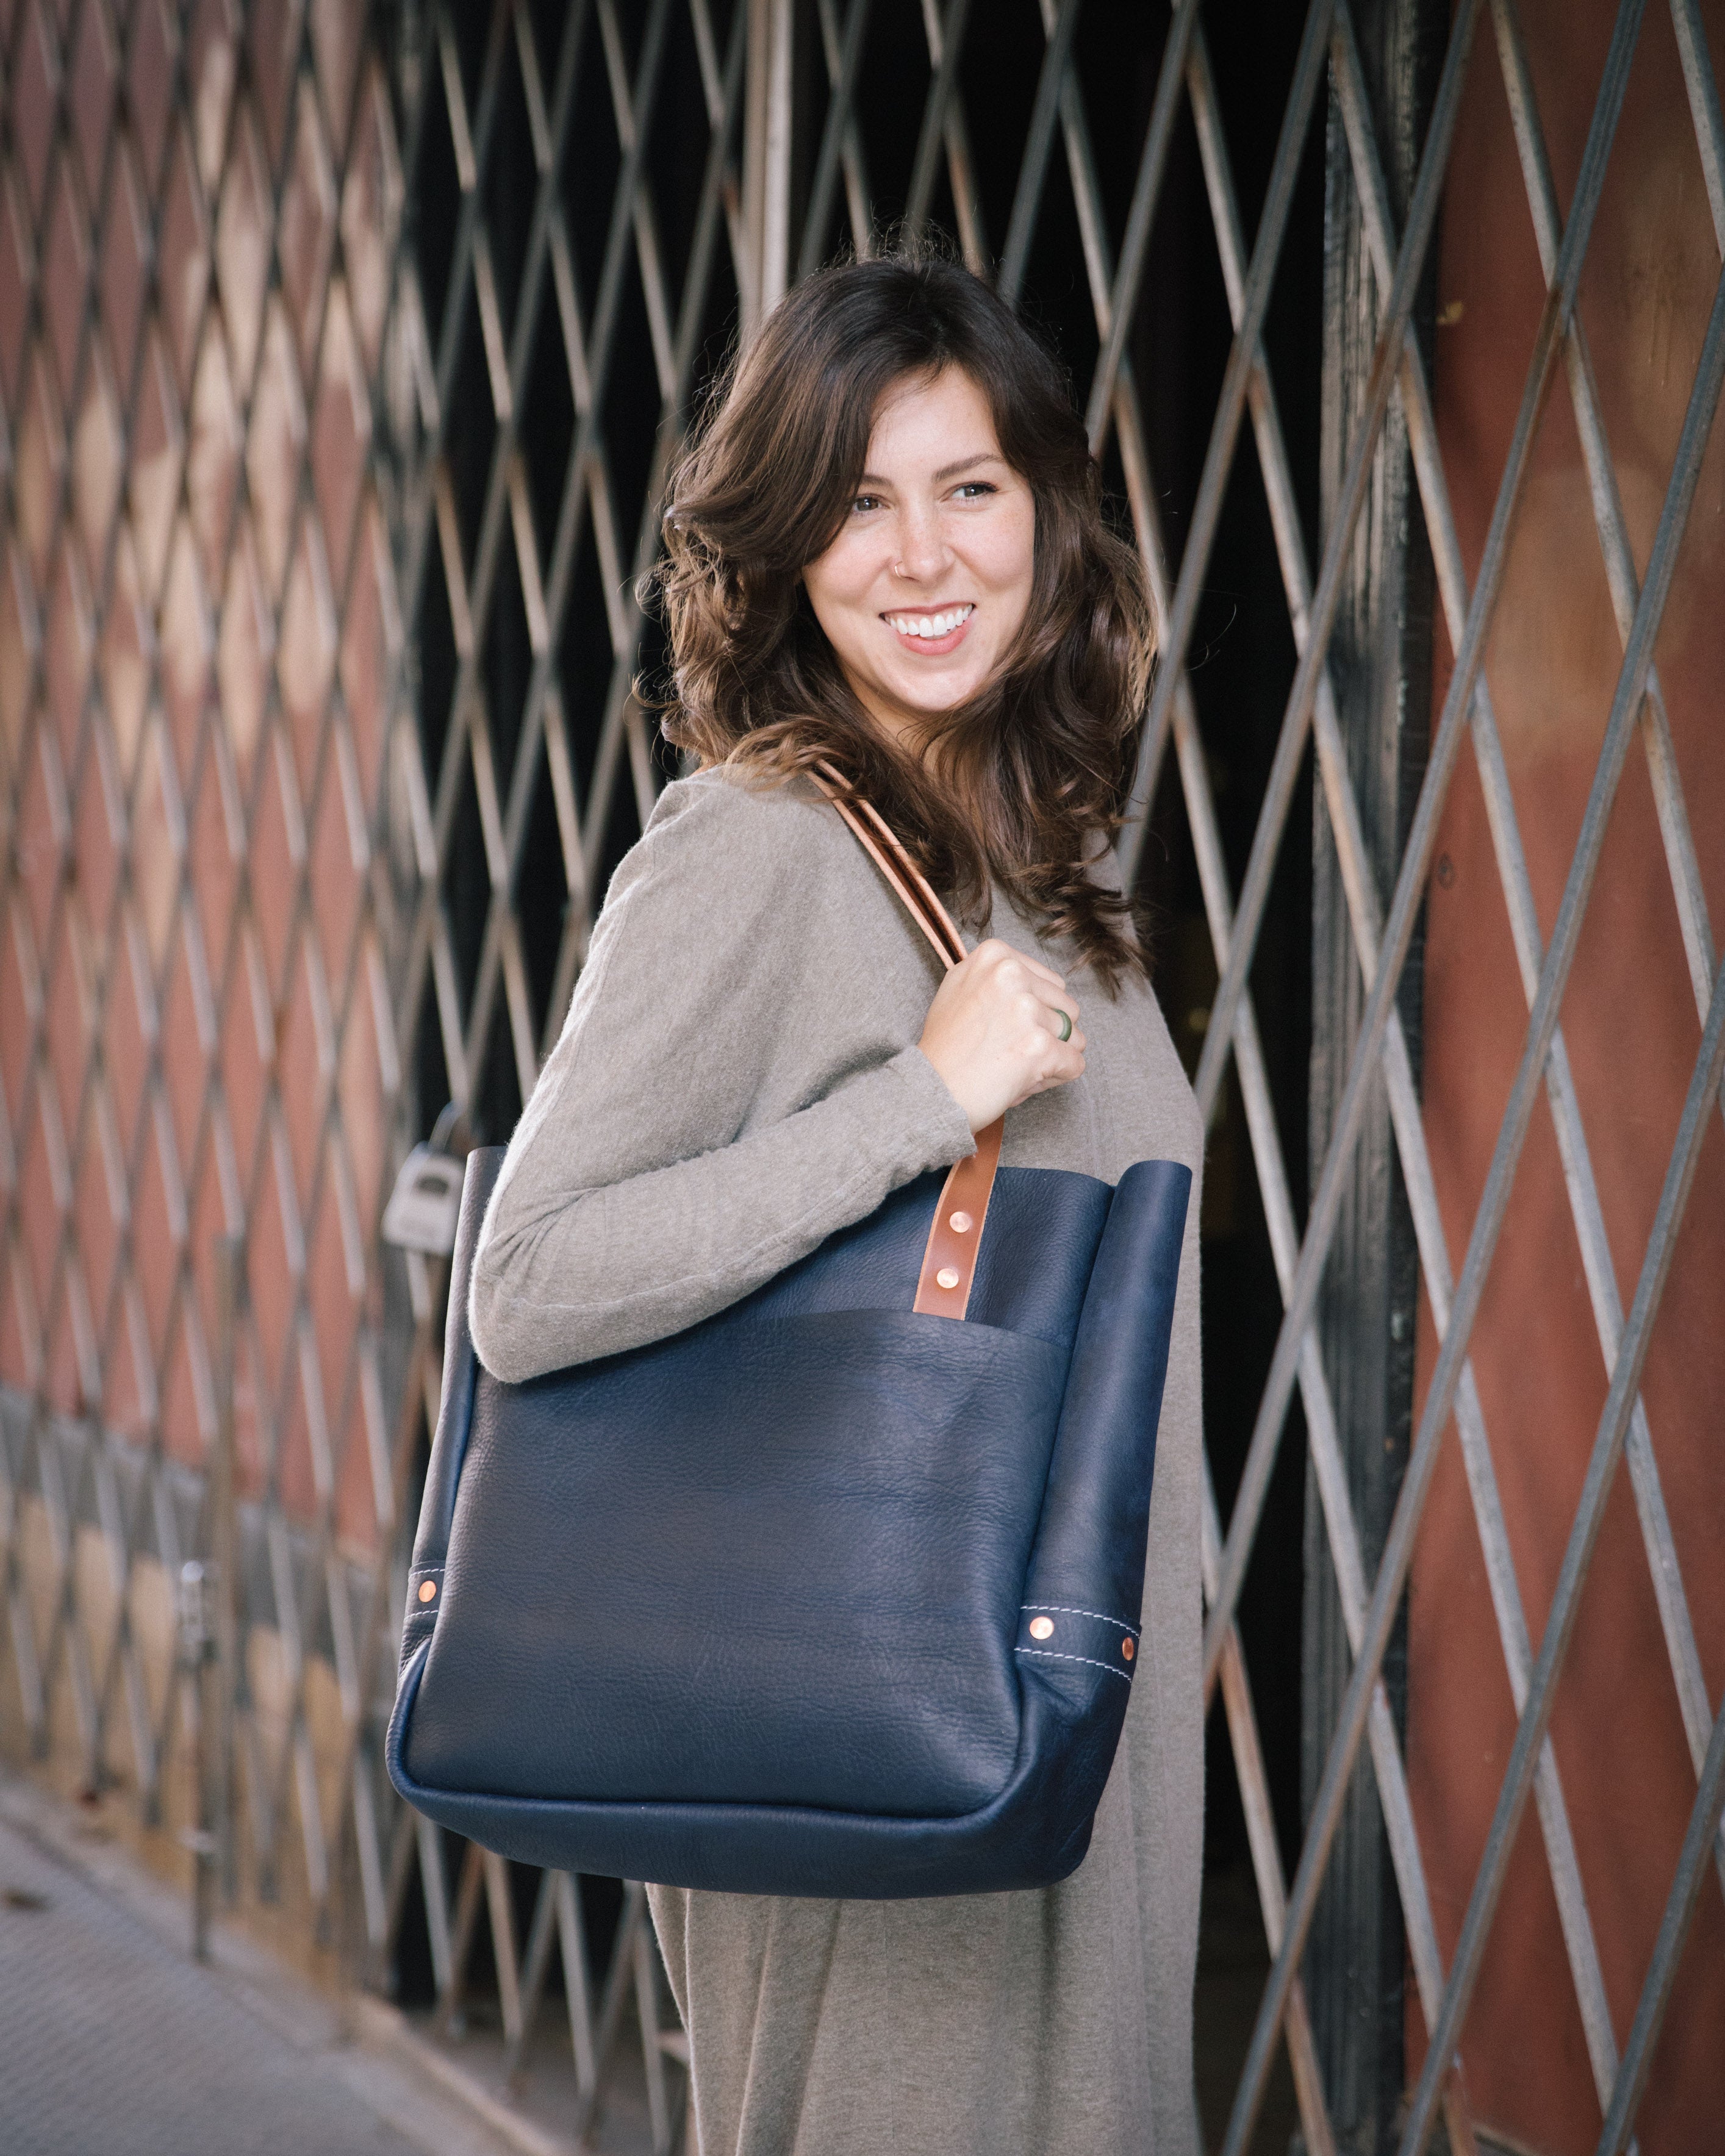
(835, 1594)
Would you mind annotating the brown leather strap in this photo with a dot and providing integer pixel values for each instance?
(920, 886)
(955, 1240)
(903, 877)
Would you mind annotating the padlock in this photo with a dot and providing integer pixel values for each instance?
(426, 1202)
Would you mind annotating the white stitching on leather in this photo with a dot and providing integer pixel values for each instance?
(1046, 1654)
(1060, 1609)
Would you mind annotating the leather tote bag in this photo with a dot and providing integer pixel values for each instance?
(836, 1593)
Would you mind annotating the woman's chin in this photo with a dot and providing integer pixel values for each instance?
(925, 698)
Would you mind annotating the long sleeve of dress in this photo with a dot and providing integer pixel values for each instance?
(661, 1170)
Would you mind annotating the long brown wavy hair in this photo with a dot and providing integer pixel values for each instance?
(1025, 782)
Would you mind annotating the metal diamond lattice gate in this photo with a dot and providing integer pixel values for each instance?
(200, 623)
(342, 356)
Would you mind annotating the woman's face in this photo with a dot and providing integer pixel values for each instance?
(926, 586)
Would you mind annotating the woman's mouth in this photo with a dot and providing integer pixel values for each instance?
(930, 633)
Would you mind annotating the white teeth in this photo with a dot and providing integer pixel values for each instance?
(931, 625)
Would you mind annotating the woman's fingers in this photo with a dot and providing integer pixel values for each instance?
(1050, 1011)
(1056, 1045)
(1060, 1014)
(996, 953)
(1034, 983)
(1060, 1068)
(995, 1030)
(1063, 1060)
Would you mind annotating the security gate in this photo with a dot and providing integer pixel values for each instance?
(342, 357)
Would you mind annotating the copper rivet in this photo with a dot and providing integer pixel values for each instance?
(1042, 1627)
(428, 1590)
(1127, 1649)
(947, 1276)
(961, 1224)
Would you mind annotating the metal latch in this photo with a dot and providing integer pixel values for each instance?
(426, 1202)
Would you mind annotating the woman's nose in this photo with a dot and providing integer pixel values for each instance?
(922, 549)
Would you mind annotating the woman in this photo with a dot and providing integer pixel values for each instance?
(886, 552)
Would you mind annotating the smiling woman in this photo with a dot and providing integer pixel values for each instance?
(888, 573)
(896, 449)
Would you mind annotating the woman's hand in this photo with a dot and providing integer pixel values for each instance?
(994, 1032)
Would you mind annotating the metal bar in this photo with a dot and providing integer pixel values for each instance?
(36, 1670)
(775, 253)
(837, 133)
(1129, 271)
(1255, 1086)
(560, 576)
(535, 1964)
(501, 1911)
(186, 927)
(960, 170)
(1499, 1564)
(1703, 91)
(646, 225)
(856, 178)
(571, 1936)
(464, 703)
(471, 149)
(1266, 1865)
(1207, 509)
(208, 748)
(646, 1976)
(1324, 1443)
(935, 110)
(31, 1671)
(1032, 169)
(222, 1500)
(1325, 1450)
(305, 528)
(1703, 1831)
(1397, 1551)
(766, 160)
(1396, 308)
(541, 691)
(451, 2020)
(612, 2000)
(673, 419)
(1697, 425)
(1237, 1699)
(1607, 512)
(1686, 887)
(434, 1887)
(1445, 745)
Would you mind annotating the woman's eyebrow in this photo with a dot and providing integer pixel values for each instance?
(964, 463)
(945, 471)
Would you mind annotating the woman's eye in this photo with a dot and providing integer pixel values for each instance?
(971, 488)
(865, 503)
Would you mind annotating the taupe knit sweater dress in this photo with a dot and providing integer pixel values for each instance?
(738, 1078)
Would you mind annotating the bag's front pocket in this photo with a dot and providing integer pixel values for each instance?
(778, 1561)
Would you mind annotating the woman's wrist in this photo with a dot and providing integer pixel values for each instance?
(949, 1070)
(950, 1128)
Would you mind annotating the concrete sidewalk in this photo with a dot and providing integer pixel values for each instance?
(114, 2042)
